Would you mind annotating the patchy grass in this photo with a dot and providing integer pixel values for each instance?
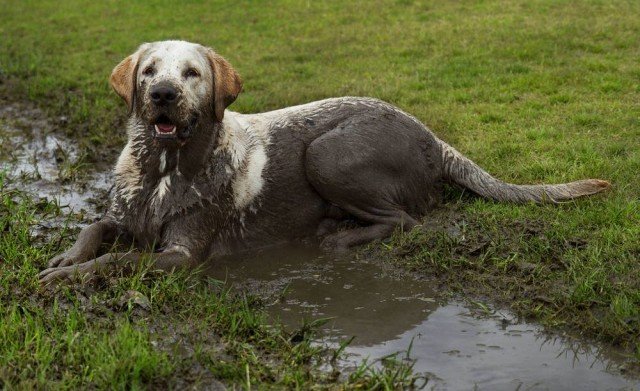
(534, 91)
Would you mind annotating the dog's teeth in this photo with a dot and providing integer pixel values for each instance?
(173, 130)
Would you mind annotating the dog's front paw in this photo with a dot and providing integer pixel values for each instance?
(67, 258)
(54, 276)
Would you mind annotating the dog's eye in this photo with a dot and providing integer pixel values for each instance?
(191, 72)
(148, 71)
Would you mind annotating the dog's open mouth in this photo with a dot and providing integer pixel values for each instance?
(165, 128)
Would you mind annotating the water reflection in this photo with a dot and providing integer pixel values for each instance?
(387, 310)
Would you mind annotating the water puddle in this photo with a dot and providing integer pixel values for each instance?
(44, 163)
(459, 345)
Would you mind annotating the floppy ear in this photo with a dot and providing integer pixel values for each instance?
(227, 84)
(123, 78)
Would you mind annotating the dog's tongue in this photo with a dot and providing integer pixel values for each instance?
(165, 128)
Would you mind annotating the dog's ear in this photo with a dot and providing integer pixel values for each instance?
(227, 83)
(123, 78)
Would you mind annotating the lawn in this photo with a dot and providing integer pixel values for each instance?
(533, 91)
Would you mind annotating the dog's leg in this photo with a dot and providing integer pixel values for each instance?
(382, 227)
(341, 242)
(326, 226)
(332, 218)
(125, 262)
(362, 178)
(88, 243)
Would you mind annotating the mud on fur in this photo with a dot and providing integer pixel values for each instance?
(196, 181)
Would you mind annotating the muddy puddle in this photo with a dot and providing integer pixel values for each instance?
(458, 345)
(35, 157)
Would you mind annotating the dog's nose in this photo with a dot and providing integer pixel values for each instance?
(163, 94)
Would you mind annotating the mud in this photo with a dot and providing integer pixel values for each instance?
(36, 157)
(457, 343)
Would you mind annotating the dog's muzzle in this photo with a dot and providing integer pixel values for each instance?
(167, 121)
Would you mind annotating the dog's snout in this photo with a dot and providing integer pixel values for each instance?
(163, 94)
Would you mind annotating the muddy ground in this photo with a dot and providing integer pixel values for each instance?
(453, 253)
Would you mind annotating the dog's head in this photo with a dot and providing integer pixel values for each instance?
(173, 86)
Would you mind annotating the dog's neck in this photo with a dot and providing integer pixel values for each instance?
(214, 156)
(220, 172)
(156, 159)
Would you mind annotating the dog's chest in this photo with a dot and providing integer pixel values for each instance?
(150, 203)
(147, 210)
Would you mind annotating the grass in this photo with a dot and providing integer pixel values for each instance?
(533, 91)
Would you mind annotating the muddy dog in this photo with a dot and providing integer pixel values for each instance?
(196, 181)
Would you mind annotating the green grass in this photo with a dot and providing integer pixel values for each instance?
(534, 91)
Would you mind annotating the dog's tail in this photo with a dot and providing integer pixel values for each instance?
(464, 172)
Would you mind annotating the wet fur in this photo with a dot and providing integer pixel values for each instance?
(360, 155)
(244, 181)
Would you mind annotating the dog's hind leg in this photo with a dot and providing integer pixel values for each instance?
(332, 218)
(374, 172)
(341, 242)
(371, 196)
(382, 226)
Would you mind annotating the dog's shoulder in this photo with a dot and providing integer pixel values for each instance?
(245, 139)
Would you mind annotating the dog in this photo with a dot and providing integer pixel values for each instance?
(196, 181)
